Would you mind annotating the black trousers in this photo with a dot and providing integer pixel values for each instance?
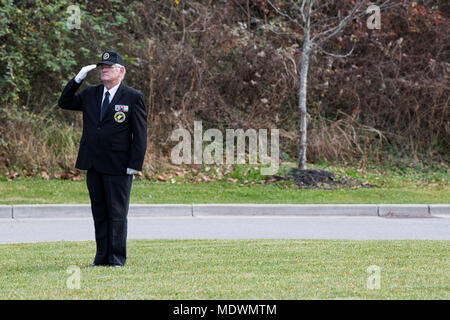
(110, 199)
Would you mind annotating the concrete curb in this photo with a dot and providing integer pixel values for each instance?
(23, 211)
(5, 211)
(228, 210)
(440, 209)
(404, 210)
(160, 210)
(284, 210)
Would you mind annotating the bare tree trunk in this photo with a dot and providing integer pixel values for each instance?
(302, 103)
(303, 84)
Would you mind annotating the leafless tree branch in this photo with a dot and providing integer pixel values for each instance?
(317, 47)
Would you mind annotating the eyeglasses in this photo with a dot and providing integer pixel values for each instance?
(106, 66)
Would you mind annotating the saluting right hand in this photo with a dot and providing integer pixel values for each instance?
(83, 72)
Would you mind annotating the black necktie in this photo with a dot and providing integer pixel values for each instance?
(104, 105)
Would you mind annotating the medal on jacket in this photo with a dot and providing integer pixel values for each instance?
(119, 107)
(119, 117)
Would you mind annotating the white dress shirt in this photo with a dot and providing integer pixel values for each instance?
(112, 92)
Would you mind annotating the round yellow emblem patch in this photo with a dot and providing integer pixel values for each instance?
(106, 56)
(119, 117)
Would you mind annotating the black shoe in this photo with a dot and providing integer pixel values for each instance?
(116, 265)
(96, 265)
(91, 265)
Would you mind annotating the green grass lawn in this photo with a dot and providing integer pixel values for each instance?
(230, 269)
(389, 185)
(36, 191)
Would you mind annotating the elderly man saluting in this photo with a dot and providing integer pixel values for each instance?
(112, 149)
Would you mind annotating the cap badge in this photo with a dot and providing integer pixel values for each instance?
(106, 56)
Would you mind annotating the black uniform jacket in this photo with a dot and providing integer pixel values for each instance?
(117, 142)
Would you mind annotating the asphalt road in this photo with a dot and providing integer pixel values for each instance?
(336, 227)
